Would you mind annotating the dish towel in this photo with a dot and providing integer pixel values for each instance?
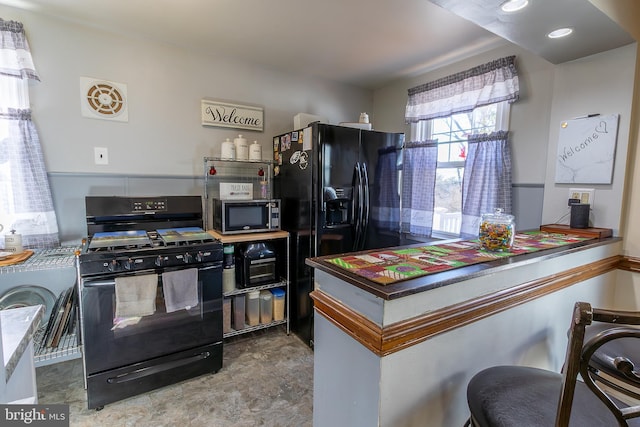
(180, 289)
(136, 295)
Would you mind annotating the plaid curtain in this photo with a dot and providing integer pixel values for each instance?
(485, 84)
(385, 212)
(418, 183)
(487, 180)
(25, 197)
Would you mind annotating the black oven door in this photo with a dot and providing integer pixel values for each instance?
(111, 342)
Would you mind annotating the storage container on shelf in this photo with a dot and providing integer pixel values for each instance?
(252, 308)
(278, 304)
(242, 149)
(238, 312)
(226, 316)
(255, 151)
(266, 306)
(228, 150)
(229, 269)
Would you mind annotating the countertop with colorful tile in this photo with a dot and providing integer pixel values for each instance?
(439, 276)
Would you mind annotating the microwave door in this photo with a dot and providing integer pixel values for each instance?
(246, 217)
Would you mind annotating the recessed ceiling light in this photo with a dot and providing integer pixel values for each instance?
(514, 5)
(560, 32)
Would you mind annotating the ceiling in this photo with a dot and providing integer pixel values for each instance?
(593, 31)
(361, 42)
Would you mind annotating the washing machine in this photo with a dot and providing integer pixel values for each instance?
(40, 280)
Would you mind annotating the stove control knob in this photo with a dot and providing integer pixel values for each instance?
(187, 258)
(128, 264)
(199, 256)
(159, 261)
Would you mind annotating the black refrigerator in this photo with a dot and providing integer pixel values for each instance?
(339, 192)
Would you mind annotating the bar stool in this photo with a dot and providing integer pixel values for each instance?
(524, 396)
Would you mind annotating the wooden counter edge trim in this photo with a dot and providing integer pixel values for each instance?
(630, 264)
(360, 328)
(400, 335)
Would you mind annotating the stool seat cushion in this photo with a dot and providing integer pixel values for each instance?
(523, 396)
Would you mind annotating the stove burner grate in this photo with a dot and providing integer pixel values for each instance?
(140, 240)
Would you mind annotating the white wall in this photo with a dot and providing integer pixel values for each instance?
(165, 84)
(603, 84)
(159, 151)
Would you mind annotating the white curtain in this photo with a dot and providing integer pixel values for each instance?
(493, 82)
(486, 185)
(418, 183)
(26, 205)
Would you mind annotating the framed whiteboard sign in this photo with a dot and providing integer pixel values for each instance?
(586, 150)
(228, 115)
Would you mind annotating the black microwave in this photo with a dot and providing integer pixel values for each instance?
(246, 216)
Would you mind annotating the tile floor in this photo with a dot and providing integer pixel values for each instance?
(266, 380)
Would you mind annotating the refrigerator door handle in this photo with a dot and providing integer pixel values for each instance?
(366, 203)
(361, 208)
(356, 205)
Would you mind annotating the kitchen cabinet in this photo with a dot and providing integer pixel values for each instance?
(280, 239)
(257, 174)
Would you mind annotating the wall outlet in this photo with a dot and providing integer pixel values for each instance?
(583, 195)
(101, 155)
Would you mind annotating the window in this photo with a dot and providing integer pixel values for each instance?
(25, 198)
(14, 96)
(452, 133)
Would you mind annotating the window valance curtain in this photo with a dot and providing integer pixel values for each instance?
(15, 55)
(495, 81)
(26, 204)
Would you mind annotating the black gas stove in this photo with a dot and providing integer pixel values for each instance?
(133, 234)
(150, 287)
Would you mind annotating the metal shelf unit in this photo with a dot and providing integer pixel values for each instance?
(54, 270)
(218, 170)
(283, 283)
(67, 349)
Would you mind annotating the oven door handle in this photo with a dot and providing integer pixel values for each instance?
(98, 283)
(95, 283)
(151, 370)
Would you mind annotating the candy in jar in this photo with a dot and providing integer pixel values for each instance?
(497, 231)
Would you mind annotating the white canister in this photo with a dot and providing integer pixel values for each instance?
(242, 149)
(255, 151)
(228, 151)
(13, 242)
(364, 118)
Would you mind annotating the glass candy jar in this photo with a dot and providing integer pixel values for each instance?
(497, 231)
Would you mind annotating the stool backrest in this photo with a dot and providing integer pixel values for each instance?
(578, 360)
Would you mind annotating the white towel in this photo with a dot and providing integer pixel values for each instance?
(180, 289)
(136, 295)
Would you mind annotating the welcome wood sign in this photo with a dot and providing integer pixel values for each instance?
(228, 115)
